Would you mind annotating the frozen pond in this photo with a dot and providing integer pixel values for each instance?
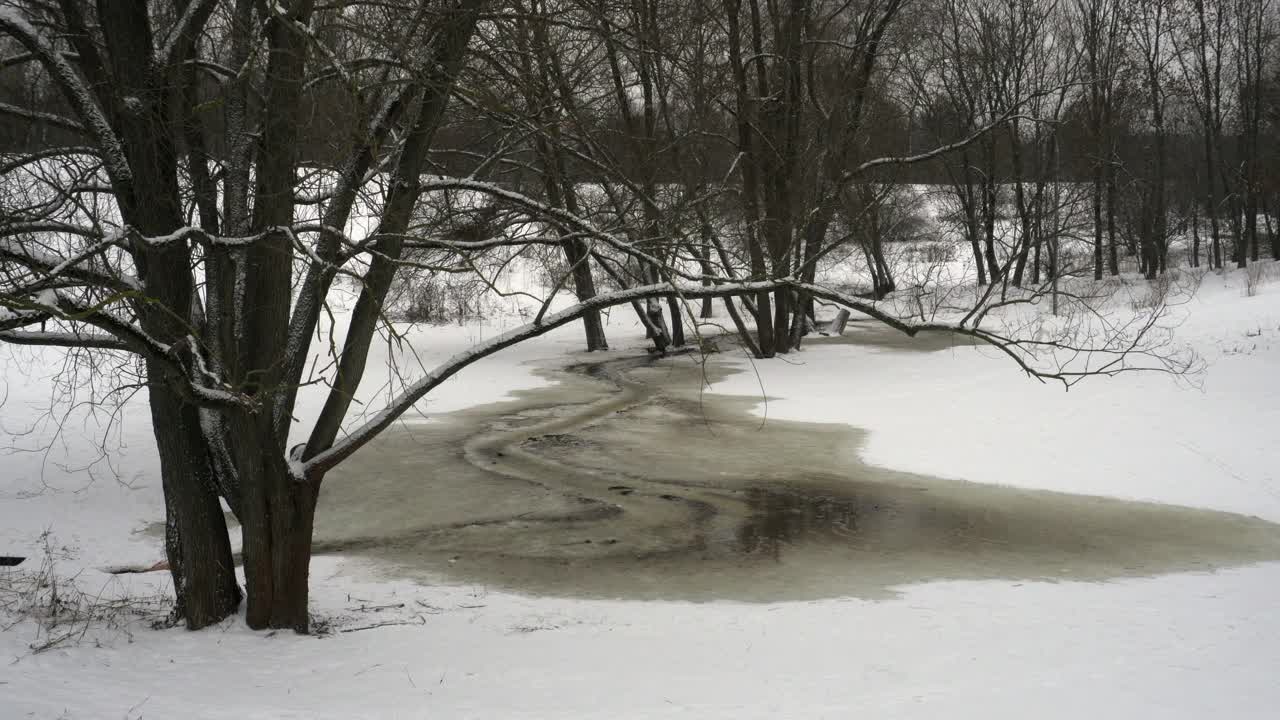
(623, 480)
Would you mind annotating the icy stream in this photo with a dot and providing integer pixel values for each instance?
(624, 480)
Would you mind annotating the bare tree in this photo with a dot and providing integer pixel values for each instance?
(199, 226)
(1150, 32)
(1100, 37)
(1255, 34)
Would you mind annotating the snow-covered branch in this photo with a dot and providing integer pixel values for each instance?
(327, 459)
(37, 156)
(75, 90)
(192, 18)
(203, 237)
(563, 218)
(1115, 346)
(41, 118)
(62, 339)
(51, 266)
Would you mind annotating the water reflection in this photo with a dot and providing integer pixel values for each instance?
(779, 518)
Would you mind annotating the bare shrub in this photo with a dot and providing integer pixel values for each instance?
(66, 614)
(1257, 275)
(1157, 293)
(931, 252)
(438, 299)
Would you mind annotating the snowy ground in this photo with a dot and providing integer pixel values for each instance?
(1178, 646)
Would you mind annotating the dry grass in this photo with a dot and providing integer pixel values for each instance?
(62, 612)
(1257, 275)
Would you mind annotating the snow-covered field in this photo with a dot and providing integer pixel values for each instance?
(1178, 646)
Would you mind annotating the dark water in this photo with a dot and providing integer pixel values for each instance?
(624, 480)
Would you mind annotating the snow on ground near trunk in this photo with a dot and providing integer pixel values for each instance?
(1179, 646)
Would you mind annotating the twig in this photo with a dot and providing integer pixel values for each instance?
(421, 621)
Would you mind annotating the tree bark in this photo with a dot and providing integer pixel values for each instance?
(196, 541)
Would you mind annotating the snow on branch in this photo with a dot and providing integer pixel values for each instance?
(31, 158)
(558, 216)
(43, 118)
(291, 22)
(203, 237)
(56, 305)
(327, 459)
(183, 366)
(49, 266)
(1008, 116)
(1043, 353)
(194, 16)
(62, 339)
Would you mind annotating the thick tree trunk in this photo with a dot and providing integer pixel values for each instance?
(139, 105)
(702, 251)
(656, 325)
(764, 325)
(273, 524)
(584, 287)
(196, 542)
(276, 523)
(677, 321)
(782, 321)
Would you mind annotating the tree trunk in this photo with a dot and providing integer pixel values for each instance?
(556, 179)
(990, 209)
(969, 202)
(584, 285)
(1271, 233)
(196, 542)
(1195, 235)
(1251, 225)
(196, 539)
(1097, 219)
(677, 321)
(702, 251)
(276, 523)
(1113, 253)
(1239, 241)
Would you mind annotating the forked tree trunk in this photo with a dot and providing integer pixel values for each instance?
(196, 541)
